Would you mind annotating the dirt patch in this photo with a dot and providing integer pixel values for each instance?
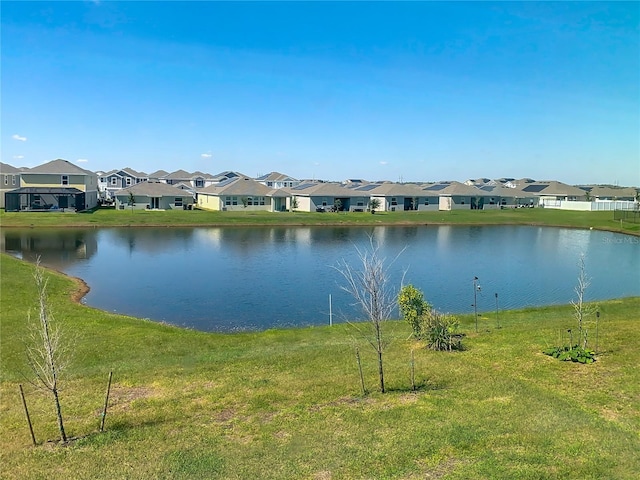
(121, 398)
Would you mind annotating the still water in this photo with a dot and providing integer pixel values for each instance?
(227, 279)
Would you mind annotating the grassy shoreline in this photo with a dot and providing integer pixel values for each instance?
(286, 403)
(201, 218)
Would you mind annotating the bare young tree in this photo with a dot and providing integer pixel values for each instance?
(579, 307)
(46, 350)
(370, 288)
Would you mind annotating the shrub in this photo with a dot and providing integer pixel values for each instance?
(413, 308)
(441, 331)
(571, 354)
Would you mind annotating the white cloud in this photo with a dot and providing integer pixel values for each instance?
(82, 160)
(383, 162)
(18, 137)
(18, 157)
(206, 155)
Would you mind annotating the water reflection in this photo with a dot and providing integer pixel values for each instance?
(255, 278)
(54, 247)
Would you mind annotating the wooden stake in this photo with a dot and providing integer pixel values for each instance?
(413, 372)
(26, 411)
(364, 390)
(106, 403)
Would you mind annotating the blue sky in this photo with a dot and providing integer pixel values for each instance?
(415, 91)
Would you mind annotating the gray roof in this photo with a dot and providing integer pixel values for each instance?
(238, 186)
(324, 190)
(275, 177)
(60, 167)
(180, 175)
(134, 173)
(158, 174)
(153, 189)
(10, 169)
(453, 188)
(552, 187)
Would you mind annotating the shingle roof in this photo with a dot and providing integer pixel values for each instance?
(238, 186)
(62, 167)
(324, 190)
(158, 174)
(10, 169)
(153, 189)
(276, 177)
(179, 175)
(134, 173)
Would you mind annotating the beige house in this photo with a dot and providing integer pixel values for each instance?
(153, 196)
(58, 184)
(241, 193)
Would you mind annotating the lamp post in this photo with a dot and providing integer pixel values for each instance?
(497, 315)
(476, 289)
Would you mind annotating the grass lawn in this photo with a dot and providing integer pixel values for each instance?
(287, 403)
(521, 216)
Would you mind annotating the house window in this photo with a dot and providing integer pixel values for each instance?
(13, 179)
(394, 201)
(103, 180)
(128, 181)
(114, 181)
(227, 200)
(426, 201)
(269, 184)
(261, 200)
(324, 202)
(234, 200)
(65, 180)
(249, 200)
(6, 179)
(178, 201)
(360, 203)
(199, 183)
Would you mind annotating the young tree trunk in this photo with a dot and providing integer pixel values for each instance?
(63, 435)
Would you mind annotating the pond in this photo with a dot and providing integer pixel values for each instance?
(229, 279)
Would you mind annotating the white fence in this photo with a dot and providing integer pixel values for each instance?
(597, 206)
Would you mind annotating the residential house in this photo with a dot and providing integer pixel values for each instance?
(58, 184)
(399, 196)
(111, 182)
(599, 193)
(153, 196)
(277, 180)
(241, 193)
(317, 197)
(158, 176)
(456, 196)
(9, 180)
(552, 193)
(189, 182)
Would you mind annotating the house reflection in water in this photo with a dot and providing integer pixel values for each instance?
(54, 247)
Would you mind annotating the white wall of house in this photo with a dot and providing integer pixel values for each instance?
(144, 202)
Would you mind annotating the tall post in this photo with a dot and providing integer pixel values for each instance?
(26, 411)
(106, 403)
(330, 312)
(497, 313)
(597, 321)
(475, 300)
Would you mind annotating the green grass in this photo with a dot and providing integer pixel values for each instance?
(287, 403)
(523, 216)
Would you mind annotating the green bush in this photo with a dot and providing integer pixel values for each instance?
(441, 331)
(571, 354)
